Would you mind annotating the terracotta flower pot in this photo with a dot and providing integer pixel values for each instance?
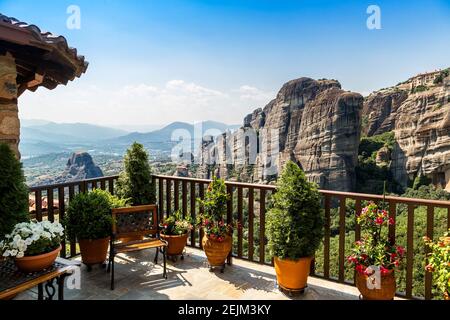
(176, 243)
(37, 263)
(386, 291)
(292, 274)
(217, 252)
(94, 251)
(446, 296)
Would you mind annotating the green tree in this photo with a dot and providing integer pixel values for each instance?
(295, 223)
(13, 192)
(421, 180)
(135, 181)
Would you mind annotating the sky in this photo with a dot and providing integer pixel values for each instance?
(155, 62)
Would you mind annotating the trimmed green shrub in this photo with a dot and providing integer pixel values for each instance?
(89, 215)
(13, 192)
(135, 181)
(295, 223)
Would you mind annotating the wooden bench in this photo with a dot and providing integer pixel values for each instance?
(135, 222)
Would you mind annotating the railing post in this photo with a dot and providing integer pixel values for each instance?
(410, 251)
(176, 195)
(38, 204)
(192, 194)
(393, 215)
(111, 185)
(230, 218)
(161, 200)
(168, 197)
(201, 194)
(342, 209)
(250, 223)
(184, 197)
(50, 213)
(428, 275)
(326, 242)
(240, 221)
(262, 226)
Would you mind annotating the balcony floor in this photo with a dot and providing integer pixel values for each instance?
(137, 278)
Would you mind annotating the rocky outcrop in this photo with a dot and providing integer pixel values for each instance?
(79, 167)
(328, 139)
(418, 111)
(380, 110)
(318, 125)
(312, 122)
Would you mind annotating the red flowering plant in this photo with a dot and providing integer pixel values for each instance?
(375, 248)
(214, 210)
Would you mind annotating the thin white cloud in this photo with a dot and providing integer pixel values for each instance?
(254, 94)
(142, 104)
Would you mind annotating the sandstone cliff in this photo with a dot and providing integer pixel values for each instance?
(312, 122)
(418, 112)
(318, 125)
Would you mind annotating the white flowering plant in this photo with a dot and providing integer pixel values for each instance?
(31, 239)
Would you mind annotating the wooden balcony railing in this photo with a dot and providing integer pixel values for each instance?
(248, 205)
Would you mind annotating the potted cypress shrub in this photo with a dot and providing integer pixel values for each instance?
(88, 220)
(294, 228)
(135, 181)
(218, 235)
(13, 192)
(175, 230)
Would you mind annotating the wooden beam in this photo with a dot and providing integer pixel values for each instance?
(38, 79)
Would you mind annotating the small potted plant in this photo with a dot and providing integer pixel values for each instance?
(88, 220)
(217, 238)
(175, 230)
(439, 263)
(294, 228)
(374, 257)
(33, 245)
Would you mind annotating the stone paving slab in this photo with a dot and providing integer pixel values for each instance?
(138, 278)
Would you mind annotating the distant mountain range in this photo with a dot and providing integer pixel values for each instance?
(40, 137)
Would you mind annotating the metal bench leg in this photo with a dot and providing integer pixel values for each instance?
(156, 255)
(40, 292)
(112, 272)
(109, 262)
(61, 287)
(164, 258)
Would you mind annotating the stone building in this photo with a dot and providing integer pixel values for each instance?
(29, 59)
(424, 79)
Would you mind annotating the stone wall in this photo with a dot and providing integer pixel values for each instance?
(9, 118)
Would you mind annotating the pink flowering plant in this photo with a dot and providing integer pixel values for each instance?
(214, 210)
(375, 248)
(176, 224)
